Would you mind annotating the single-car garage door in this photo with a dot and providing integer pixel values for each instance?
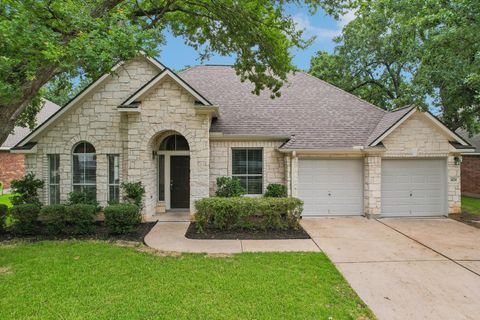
(331, 187)
(413, 187)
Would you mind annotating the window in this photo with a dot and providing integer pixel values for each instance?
(53, 179)
(247, 165)
(113, 178)
(161, 177)
(175, 142)
(84, 162)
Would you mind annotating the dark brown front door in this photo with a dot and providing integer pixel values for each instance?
(180, 182)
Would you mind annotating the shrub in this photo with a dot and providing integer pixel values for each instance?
(54, 217)
(276, 190)
(229, 187)
(122, 218)
(25, 218)
(85, 196)
(3, 217)
(25, 190)
(134, 192)
(248, 213)
(81, 218)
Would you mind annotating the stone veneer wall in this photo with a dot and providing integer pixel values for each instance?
(471, 175)
(221, 160)
(372, 180)
(94, 119)
(12, 167)
(417, 137)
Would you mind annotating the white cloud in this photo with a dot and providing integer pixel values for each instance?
(303, 22)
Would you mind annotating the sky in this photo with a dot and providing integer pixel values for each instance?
(176, 55)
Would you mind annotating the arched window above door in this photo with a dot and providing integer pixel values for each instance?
(175, 142)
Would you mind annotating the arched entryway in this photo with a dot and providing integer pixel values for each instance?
(174, 172)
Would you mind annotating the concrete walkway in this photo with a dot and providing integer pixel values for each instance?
(169, 235)
(406, 268)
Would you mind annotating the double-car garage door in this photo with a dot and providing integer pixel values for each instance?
(409, 187)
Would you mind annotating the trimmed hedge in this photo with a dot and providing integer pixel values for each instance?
(54, 217)
(122, 218)
(276, 190)
(25, 218)
(248, 213)
(81, 218)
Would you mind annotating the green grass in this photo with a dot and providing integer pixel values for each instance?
(471, 205)
(97, 280)
(5, 199)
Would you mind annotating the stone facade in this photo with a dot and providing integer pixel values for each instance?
(471, 175)
(12, 166)
(221, 160)
(372, 181)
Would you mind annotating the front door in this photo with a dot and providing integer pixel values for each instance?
(179, 182)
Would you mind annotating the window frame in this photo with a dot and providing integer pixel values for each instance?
(56, 158)
(84, 184)
(247, 175)
(110, 184)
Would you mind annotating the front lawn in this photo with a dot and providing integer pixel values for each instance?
(97, 280)
(471, 205)
(5, 199)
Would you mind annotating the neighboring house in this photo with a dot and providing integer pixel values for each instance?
(178, 133)
(471, 167)
(11, 164)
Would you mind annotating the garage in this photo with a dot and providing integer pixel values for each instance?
(414, 188)
(331, 187)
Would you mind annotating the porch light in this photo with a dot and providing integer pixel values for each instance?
(457, 160)
(154, 153)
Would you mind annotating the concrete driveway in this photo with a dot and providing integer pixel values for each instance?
(406, 268)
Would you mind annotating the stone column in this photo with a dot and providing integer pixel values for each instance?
(288, 174)
(294, 169)
(453, 183)
(372, 192)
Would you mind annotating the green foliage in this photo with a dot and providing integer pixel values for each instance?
(54, 217)
(81, 218)
(26, 190)
(276, 190)
(133, 192)
(248, 213)
(229, 187)
(122, 218)
(400, 52)
(25, 218)
(86, 196)
(62, 40)
(61, 89)
(3, 217)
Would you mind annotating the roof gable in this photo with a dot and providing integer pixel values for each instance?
(393, 120)
(95, 84)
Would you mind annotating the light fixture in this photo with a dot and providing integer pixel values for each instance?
(457, 160)
(154, 153)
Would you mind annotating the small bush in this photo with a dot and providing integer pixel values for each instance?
(25, 190)
(134, 192)
(86, 196)
(25, 218)
(54, 217)
(122, 218)
(229, 187)
(276, 190)
(3, 217)
(81, 218)
(248, 213)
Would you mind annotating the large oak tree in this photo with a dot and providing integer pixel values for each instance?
(41, 40)
(400, 52)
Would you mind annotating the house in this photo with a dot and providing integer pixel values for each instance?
(12, 165)
(178, 132)
(471, 167)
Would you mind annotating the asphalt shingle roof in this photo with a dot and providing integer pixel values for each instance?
(473, 140)
(387, 121)
(320, 115)
(19, 133)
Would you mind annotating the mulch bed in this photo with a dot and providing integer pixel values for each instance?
(192, 233)
(101, 233)
(467, 218)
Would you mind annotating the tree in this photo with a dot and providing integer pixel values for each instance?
(44, 39)
(400, 52)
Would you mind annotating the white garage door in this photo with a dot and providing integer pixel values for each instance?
(331, 187)
(413, 187)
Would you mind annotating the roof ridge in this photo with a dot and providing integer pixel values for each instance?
(339, 89)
